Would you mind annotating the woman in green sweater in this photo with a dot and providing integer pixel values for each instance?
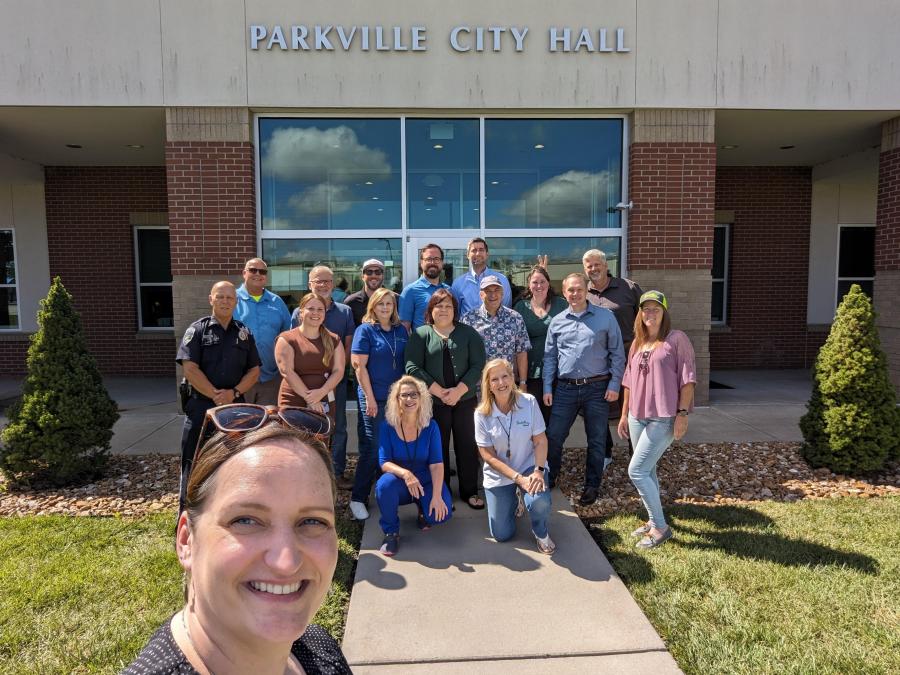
(539, 304)
(449, 357)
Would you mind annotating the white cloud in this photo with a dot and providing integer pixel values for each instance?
(313, 201)
(564, 200)
(323, 155)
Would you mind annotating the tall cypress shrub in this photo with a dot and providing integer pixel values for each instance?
(852, 422)
(60, 430)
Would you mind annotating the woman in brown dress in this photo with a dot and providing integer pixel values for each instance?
(310, 358)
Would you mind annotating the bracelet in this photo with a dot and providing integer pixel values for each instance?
(516, 477)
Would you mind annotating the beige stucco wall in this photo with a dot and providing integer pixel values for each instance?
(844, 192)
(803, 54)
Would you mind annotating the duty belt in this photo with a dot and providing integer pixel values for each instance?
(579, 381)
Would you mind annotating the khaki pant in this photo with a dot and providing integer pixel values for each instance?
(264, 393)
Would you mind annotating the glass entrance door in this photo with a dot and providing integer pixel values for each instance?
(455, 261)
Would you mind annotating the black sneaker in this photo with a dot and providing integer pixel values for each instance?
(589, 496)
(390, 545)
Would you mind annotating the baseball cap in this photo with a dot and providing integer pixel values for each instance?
(373, 262)
(656, 296)
(490, 280)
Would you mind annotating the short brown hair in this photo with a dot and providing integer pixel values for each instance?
(440, 295)
(428, 246)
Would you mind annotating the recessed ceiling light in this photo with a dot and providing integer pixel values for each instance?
(428, 208)
(375, 199)
(73, 146)
(495, 182)
(429, 198)
(380, 209)
(539, 146)
(438, 146)
(368, 182)
(728, 147)
(135, 146)
(786, 147)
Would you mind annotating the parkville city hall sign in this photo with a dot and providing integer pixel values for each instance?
(415, 38)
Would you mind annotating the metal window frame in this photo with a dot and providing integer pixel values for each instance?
(837, 261)
(724, 279)
(15, 286)
(138, 284)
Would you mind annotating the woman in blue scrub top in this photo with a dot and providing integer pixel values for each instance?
(378, 358)
(412, 459)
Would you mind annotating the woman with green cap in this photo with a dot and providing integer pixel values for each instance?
(658, 394)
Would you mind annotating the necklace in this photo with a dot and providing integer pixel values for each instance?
(187, 632)
(410, 454)
(392, 348)
(506, 431)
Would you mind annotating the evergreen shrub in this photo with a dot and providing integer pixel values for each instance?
(60, 430)
(852, 422)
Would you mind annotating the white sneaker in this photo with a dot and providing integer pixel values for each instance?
(359, 510)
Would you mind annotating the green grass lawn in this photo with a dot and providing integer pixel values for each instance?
(810, 587)
(84, 594)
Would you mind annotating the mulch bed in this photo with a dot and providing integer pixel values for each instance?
(717, 473)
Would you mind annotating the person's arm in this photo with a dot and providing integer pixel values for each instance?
(507, 291)
(549, 371)
(522, 368)
(437, 508)
(247, 381)
(338, 365)
(284, 358)
(284, 314)
(685, 402)
(416, 355)
(622, 427)
(475, 345)
(536, 479)
(295, 318)
(405, 309)
(198, 380)
(616, 358)
(359, 361)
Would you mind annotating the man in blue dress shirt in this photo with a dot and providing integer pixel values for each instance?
(467, 287)
(414, 298)
(266, 315)
(339, 320)
(583, 367)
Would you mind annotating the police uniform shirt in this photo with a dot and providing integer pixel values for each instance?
(224, 355)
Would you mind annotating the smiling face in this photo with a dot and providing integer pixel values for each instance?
(537, 284)
(255, 276)
(478, 255)
(442, 313)
(408, 397)
(263, 551)
(312, 313)
(384, 309)
(595, 268)
(321, 282)
(431, 262)
(501, 383)
(373, 277)
(651, 316)
(223, 299)
(492, 296)
(575, 292)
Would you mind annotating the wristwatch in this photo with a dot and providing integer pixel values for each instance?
(539, 468)
(682, 412)
(236, 392)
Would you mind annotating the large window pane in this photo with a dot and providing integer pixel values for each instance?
(156, 307)
(7, 258)
(857, 252)
(516, 256)
(329, 174)
(154, 256)
(553, 173)
(442, 166)
(718, 302)
(719, 252)
(867, 286)
(9, 308)
(290, 261)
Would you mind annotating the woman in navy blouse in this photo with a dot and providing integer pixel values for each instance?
(378, 358)
(411, 457)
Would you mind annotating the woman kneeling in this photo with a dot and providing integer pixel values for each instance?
(509, 431)
(409, 451)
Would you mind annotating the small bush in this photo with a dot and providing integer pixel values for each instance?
(60, 430)
(852, 422)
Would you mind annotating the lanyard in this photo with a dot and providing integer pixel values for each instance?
(508, 433)
(392, 348)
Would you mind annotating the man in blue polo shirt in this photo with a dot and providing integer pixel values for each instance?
(266, 315)
(414, 298)
(583, 367)
(467, 287)
(339, 320)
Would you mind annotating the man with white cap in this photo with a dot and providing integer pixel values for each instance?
(373, 279)
(502, 329)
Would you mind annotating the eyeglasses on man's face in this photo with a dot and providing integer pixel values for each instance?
(377, 272)
(321, 282)
(433, 260)
(258, 270)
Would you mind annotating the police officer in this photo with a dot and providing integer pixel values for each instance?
(219, 357)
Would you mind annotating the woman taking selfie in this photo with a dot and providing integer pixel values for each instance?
(410, 456)
(310, 360)
(258, 546)
(509, 430)
(658, 394)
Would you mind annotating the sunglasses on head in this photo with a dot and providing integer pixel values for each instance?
(258, 270)
(236, 418)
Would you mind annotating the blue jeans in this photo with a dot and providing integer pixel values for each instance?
(391, 493)
(568, 401)
(367, 466)
(339, 438)
(501, 508)
(651, 438)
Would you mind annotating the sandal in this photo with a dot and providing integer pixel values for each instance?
(652, 542)
(641, 531)
(475, 502)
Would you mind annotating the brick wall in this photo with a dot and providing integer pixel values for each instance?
(672, 187)
(887, 247)
(769, 267)
(91, 246)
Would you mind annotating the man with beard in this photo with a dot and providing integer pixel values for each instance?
(414, 298)
(373, 279)
(467, 287)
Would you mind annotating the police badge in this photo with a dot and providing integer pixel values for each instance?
(243, 334)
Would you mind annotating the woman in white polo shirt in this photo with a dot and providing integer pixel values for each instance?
(509, 431)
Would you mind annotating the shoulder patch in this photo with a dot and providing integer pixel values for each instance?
(243, 333)
(188, 335)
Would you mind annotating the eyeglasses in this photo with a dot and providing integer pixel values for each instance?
(644, 365)
(409, 395)
(374, 273)
(243, 417)
(258, 270)
(321, 282)
(432, 260)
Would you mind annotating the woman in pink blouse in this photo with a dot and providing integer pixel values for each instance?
(658, 393)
